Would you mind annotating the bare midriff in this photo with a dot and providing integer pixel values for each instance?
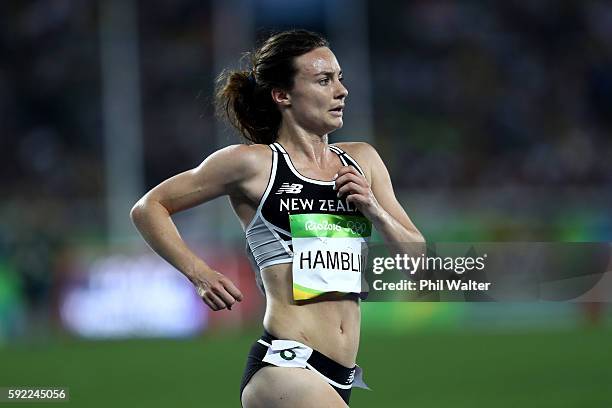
(328, 324)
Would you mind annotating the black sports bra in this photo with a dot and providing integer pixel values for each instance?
(288, 192)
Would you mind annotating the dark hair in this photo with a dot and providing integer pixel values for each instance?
(244, 97)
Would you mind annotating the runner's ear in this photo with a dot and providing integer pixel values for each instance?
(281, 97)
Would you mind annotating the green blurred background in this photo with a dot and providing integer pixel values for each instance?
(494, 120)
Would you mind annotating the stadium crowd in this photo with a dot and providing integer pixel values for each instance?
(465, 94)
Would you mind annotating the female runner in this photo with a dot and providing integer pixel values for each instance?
(305, 206)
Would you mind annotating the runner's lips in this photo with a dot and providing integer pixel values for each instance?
(337, 111)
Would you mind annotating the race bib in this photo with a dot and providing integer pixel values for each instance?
(327, 253)
(287, 353)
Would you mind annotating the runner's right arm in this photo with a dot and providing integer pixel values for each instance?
(222, 173)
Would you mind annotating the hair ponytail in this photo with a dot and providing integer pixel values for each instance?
(247, 107)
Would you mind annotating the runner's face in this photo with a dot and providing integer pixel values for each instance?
(318, 95)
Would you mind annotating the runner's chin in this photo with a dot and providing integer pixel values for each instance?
(337, 119)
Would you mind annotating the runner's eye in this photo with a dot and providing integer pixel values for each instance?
(324, 81)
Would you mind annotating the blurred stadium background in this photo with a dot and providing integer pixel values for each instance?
(494, 119)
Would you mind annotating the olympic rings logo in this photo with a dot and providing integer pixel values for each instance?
(357, 227)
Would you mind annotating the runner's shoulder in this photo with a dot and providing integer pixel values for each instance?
(364, 153)
(243, 159)
(358, 150)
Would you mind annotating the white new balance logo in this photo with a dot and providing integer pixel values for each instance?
(290, 188)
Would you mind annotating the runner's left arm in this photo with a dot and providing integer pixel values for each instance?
(376, 199)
